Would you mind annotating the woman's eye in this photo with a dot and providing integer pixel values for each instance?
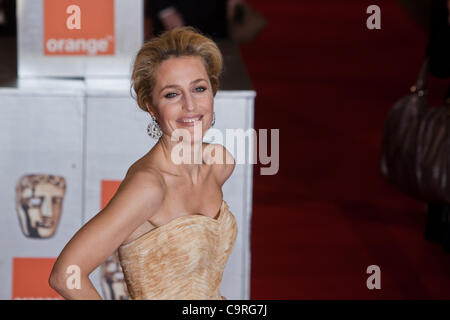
(200, 89)
(170, 95)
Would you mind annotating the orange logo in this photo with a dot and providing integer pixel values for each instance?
(79, 27)
(30, 279)
(109, 188)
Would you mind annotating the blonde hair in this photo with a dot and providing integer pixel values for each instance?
(183, 41)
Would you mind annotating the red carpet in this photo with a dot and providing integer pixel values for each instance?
(327, 82)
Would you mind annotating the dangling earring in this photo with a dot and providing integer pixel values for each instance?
(153, 128)
(213, 119)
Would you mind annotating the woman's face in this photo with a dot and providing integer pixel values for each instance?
(183, 96)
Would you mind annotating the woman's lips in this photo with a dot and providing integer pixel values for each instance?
(189, 121)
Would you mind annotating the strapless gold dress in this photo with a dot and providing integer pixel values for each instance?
(183, 259)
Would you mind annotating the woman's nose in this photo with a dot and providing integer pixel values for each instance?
(188, 103)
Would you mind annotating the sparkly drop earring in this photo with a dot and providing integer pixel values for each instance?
(153, 128)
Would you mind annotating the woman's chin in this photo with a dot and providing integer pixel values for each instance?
(189, 138)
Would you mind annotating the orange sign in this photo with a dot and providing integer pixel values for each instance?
(79, 27)
(30, 279)
(109, 188)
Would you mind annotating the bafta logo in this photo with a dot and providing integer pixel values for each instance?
(112, 280)
(39, 199)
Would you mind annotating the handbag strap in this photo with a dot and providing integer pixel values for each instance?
(421, 81)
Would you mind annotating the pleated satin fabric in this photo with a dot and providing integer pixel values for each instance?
(183, 259)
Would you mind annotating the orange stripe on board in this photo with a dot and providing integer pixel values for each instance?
(30, 278)
(108, 189)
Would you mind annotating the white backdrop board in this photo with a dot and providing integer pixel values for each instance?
(41, 133)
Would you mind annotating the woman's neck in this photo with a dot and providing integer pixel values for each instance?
(183, 159)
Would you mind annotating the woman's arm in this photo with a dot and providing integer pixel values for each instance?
(136, 200)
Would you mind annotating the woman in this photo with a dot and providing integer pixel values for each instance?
(173, 231)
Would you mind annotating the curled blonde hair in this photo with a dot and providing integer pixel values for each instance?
(183, 41)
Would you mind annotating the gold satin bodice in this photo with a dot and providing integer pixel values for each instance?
(182, 259)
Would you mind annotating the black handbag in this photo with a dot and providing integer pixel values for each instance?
(415, 153)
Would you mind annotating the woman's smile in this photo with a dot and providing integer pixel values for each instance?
(189, 121)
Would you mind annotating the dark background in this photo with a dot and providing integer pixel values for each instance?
(327, 82)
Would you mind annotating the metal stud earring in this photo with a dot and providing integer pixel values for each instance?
(153, 129)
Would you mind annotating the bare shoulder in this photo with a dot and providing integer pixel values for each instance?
(221, 159)
(146, 183)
